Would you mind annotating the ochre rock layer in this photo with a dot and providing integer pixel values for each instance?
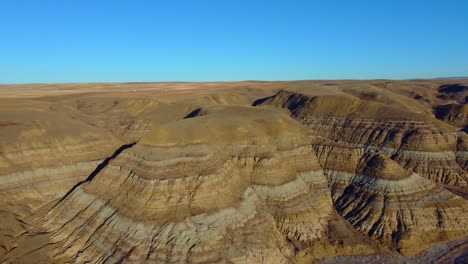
(251, 172)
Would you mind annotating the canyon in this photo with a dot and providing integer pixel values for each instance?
(372, 171)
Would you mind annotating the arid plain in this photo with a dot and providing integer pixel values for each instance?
(235, 172)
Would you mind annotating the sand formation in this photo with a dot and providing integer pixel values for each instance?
(247, 172)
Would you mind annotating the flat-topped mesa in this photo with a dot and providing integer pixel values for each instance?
(246, 126)
(219, 191)
(127, 118)
(349, 119)
(415, 141)
(338, 106)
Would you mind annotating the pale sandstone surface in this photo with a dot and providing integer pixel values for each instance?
(237, 172)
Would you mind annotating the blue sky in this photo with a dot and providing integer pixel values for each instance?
(173, 40)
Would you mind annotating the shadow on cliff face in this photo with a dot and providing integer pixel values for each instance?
(103, 164)
(453, 88)
(98, 169)
(194, 113)
(261, 100)
(293, 101)
(455, 92)
(197, 112)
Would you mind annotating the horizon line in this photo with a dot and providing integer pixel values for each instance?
(237, 81)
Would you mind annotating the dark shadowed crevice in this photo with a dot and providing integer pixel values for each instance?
(453, 88)
(194, 113)
(98, 169)
(262, 100)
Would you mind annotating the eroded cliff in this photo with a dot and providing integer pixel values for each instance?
(234, 173)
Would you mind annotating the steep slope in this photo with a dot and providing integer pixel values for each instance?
(391, 205)
(373, 156)
(456, 92)
(455, 114)
(348, 171)
(42, 155)
(417, 142)
(198, 191)
(43, 147)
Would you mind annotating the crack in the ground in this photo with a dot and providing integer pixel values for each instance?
(98, 169)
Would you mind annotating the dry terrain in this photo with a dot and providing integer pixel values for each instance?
(235, 172)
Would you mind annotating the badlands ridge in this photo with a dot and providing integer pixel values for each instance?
(242, 172)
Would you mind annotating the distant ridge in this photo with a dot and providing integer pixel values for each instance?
(466, 77)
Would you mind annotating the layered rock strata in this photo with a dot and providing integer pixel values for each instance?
(397, 207)
(339, 168)
(375, 169)
(47, 154)
(177, 196)
(413, 140)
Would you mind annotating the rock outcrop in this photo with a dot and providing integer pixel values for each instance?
(386, 202)
(383, 166)
(194, 173)
(176, 196)
(415, 141)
